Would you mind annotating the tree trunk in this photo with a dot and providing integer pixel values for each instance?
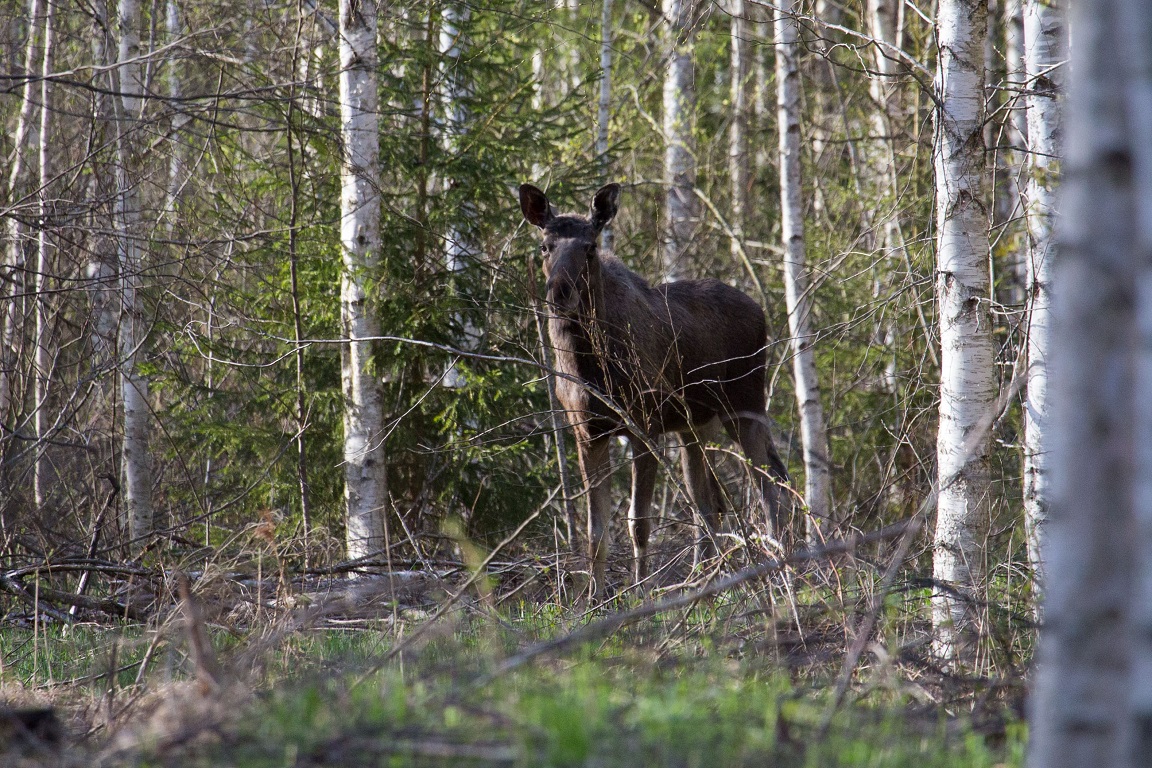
(679, 149)
(365, 471)
(605, 108)
(1011, 160)
(15, 252)
(136, 457)
(300, 52)
(1046, 51)
(43, 363)
(101, 271)
(1091, 700)
(967, 385)
(817, 485)
(738, 128)
(459, 247)
(176, 171)
(884, 24)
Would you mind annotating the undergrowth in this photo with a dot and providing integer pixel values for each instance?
(723, 683)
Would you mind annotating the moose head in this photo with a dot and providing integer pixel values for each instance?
(570, 251)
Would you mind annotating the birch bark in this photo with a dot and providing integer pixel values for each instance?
(365, 472)
(43, 361)
(885, 24)
(967, 386)
(679, 146)
(1135, 24)
(16, 247)
(101, 270)
(1046, 49)
(1092, 676)
(460, 248)
(604, 110)
(135, 456)
(1012, 162)
(176, 170)
(817, 477)
(738, 128)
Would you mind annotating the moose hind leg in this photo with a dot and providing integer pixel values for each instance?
(705, 491)
(595, 465)
(755, 439)
(644, 465)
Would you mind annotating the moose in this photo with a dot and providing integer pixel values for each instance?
(639, 361)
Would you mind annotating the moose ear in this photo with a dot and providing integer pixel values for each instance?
(604, 205)
(534, 205)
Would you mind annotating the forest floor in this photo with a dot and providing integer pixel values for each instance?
(435, 666)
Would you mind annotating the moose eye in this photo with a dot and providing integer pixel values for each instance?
(544, 248)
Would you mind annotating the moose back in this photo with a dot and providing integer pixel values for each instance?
(640, 361)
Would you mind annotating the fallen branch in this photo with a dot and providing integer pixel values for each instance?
(48, 596)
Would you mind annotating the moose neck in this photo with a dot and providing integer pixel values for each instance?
(579, 339)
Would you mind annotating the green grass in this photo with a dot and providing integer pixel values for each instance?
(608, 704)
(703, 691)
(596, 711)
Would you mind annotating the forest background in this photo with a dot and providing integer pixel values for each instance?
(178, 396)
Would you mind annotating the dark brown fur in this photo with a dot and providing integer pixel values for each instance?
(641, 361)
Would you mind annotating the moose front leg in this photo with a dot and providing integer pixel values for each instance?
(644, 466)
(596, 467)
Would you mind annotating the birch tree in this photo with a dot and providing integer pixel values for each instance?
(885, 22)
(455, 114)
(967, 386)
(459, 248)
(26, 140)
(1092, 698)
(365, 478)
(604, 107)
(679, 150)
(134, 385)
(43, 359)
(101, 271)
(738, 127)
(176, 171)
(1011, 160)
(1046, 48)
(796, 290)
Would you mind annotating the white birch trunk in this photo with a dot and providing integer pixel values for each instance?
(456, 114)
(817, 477)
(43, 359)
(365, 471)
(604, 111)
(1092, 686)
(738, 128)
(763, 93)
(176, 172)
(1134, 50)
(679, 149)
(884, 25)
(967, 384)
(104, 294)
(15, 258)
(136, 458)
(1046, 51)
(1011, 160)
(459, 248)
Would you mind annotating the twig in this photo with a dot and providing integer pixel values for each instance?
(199, 646)
(480, 572)
(610, 624)
(868, 622)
